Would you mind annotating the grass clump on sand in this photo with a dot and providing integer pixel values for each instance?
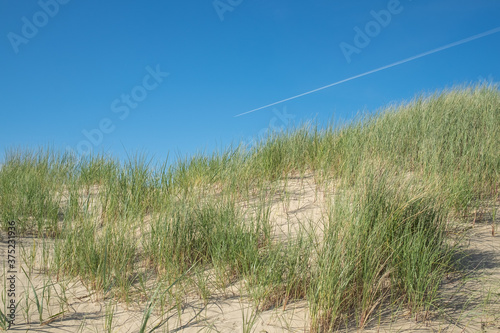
(205, 234)
(384, 241)
(205, 222)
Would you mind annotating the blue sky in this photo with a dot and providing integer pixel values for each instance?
(169, 76)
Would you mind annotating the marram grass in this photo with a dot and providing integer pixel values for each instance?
(203, 223)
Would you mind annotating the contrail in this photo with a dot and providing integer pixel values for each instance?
(460, 42)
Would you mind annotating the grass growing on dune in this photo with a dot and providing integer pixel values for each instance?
(383, 241)
(28, 183)
(205, 220)
(103, 257)
(205, 234)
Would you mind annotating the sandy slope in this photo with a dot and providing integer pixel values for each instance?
(468, 305)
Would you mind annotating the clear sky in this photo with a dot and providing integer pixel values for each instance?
(170, 76)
